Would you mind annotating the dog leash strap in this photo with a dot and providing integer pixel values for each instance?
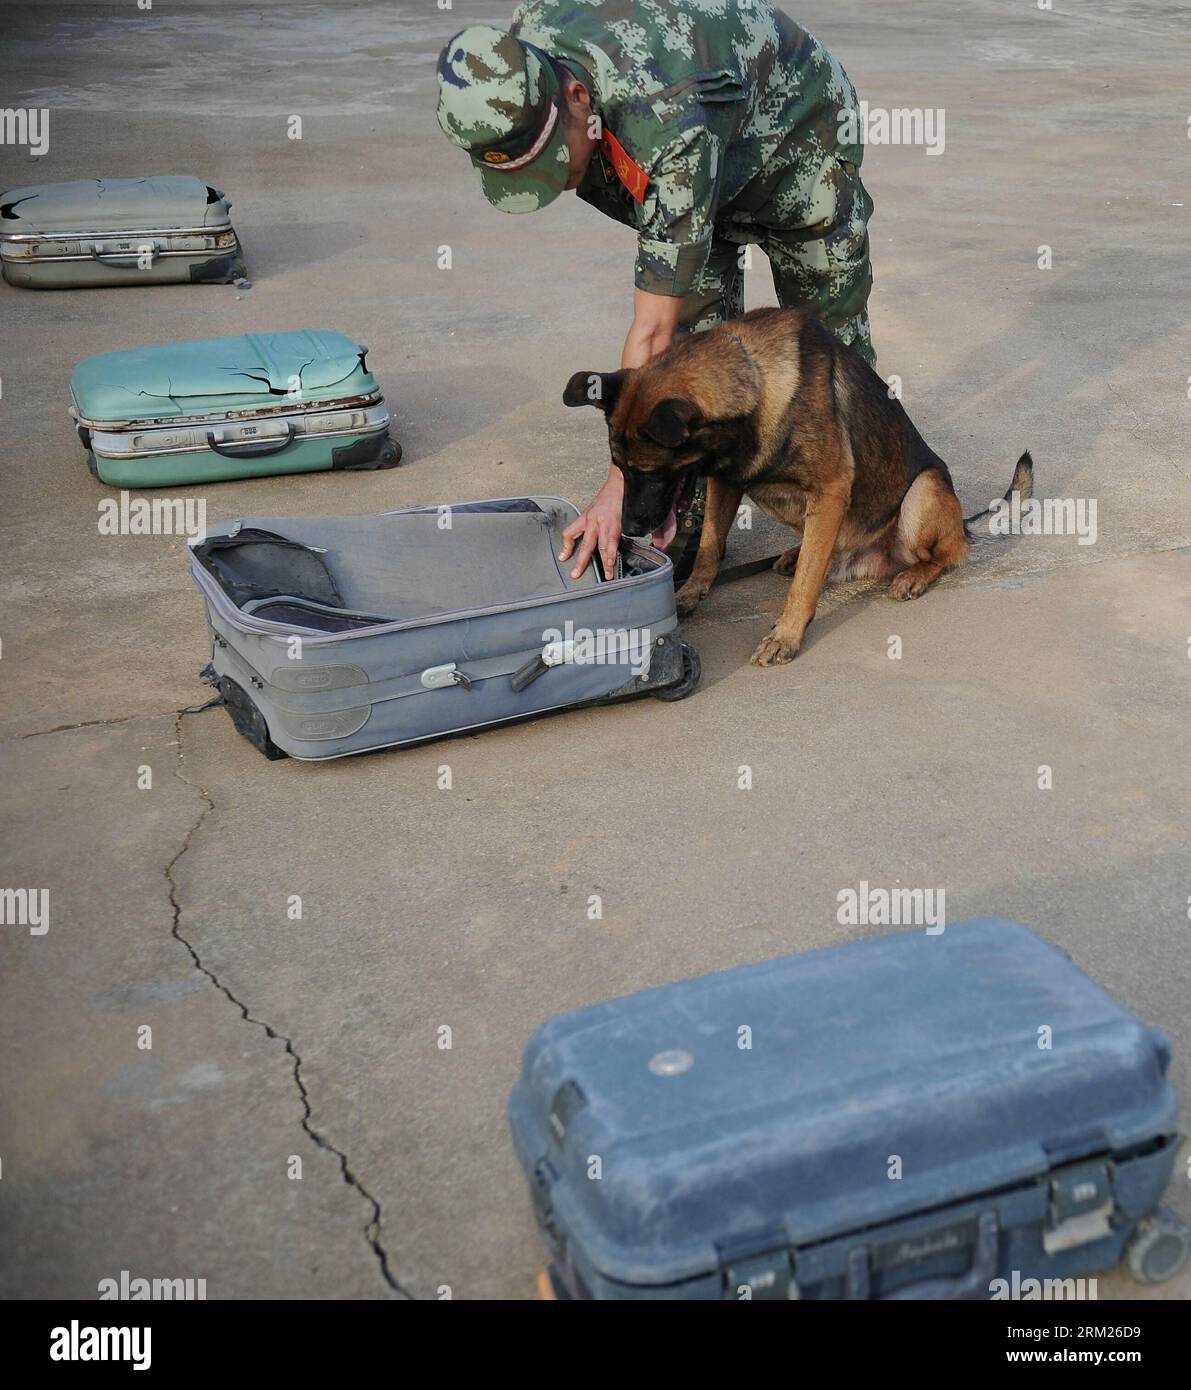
(745, 569)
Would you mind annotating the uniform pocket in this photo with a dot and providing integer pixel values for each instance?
(724, 85)
(717, 85)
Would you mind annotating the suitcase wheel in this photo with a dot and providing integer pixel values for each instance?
(85, 441)
(1158, 1248)
(367, 454)
(248, 720)
(390, 455)
(692, 669)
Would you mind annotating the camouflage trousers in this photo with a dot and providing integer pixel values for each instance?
(821, 266)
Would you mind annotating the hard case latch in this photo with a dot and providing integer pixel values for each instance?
(765, 1276)
(1081, 1205)
(759, 1265)
(442, 677)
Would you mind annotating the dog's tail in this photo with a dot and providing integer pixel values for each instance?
(1022, 484)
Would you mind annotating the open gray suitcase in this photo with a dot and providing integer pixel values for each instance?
(910, 1116)
(91, 233)
(335, 635)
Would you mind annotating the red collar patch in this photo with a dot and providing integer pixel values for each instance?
(628, 171)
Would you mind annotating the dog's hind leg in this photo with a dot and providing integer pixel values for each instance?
(930, 536)
(723, 499)
(787, 562)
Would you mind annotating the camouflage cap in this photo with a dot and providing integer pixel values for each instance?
(499, 99)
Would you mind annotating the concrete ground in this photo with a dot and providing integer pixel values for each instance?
(275, 1040)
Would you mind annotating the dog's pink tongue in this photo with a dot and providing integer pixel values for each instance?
(668, 530)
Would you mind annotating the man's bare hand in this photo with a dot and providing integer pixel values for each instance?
(598, 526)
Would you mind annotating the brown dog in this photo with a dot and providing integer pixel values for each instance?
(773, 405)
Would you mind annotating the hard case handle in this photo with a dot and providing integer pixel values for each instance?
(254, 449)
(973, 1284)
(123, 259)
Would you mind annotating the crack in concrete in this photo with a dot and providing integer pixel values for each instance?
(1139, 425)
(373, 1228)
(91, 724)
(121, 719)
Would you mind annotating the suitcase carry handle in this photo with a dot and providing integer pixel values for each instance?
(255, 448)
(970, 1285)
(122, 259)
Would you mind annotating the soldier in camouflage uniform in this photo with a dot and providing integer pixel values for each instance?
(705, 125)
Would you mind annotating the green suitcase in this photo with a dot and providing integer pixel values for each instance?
(92, 233)
(223, 408)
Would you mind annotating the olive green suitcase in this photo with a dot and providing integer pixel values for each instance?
(223, 408)
(91, 233)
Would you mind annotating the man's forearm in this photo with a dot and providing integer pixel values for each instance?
(655, 321)
(644, 342)
(613, 484)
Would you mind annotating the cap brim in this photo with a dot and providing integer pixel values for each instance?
(535, 186)
(539, 183)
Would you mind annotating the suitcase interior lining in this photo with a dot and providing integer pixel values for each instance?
(256, 563)
(342, 573)
(299, 612)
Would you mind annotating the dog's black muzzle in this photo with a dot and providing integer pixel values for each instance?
(648, 500)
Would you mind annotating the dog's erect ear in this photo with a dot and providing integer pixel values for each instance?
(594, 388)
(671, 423)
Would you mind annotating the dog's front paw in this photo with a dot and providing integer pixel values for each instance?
(907, 584)
(688, 598)
(779, 648)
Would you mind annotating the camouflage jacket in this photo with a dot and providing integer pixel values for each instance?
(730, 108)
